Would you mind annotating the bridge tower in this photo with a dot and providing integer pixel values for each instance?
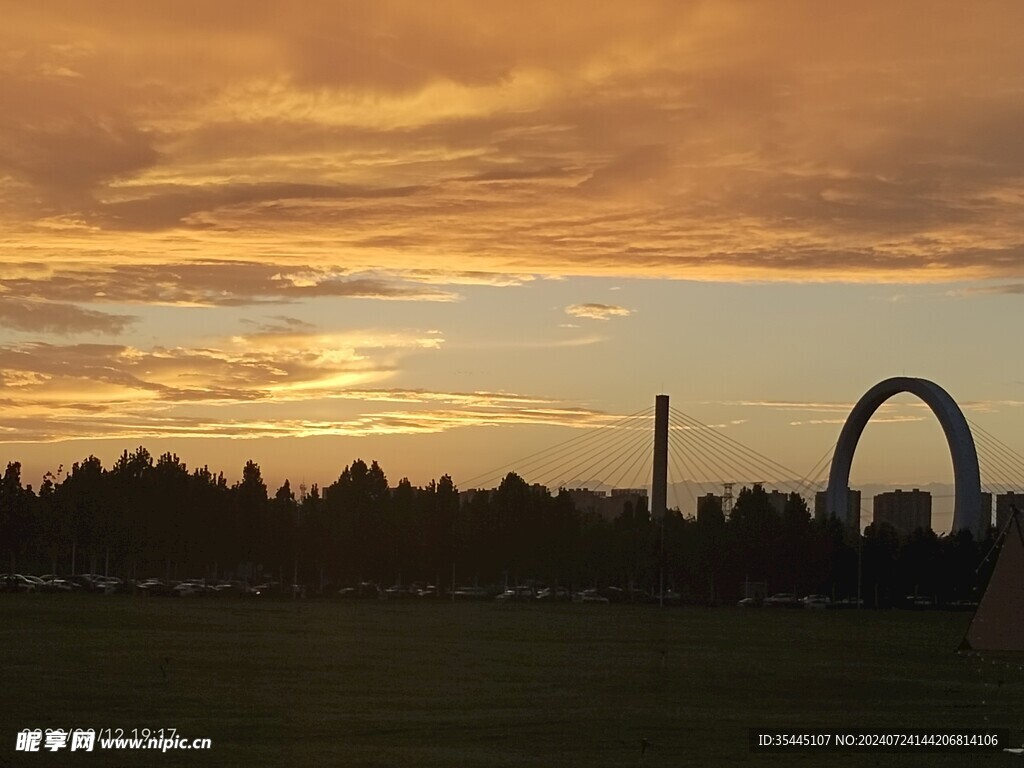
(659, 481)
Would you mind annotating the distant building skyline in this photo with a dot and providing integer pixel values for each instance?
(1004, 505)
(902, 509)
(854, 525)
(906, 511)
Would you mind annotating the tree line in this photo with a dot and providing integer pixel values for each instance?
(143, 517)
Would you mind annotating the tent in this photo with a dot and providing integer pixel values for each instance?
(998, 624)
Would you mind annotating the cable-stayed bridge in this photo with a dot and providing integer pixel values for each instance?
(620, 455)
(673, 459)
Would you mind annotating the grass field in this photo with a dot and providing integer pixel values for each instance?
(482, 684)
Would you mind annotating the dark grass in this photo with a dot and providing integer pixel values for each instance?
(482, 684)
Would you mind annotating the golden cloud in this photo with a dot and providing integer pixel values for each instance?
(707, 141)
(258, 384)
(595, 311)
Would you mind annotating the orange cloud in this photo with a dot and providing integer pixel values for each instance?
(595, 311)
(711, 141)
(60, 392)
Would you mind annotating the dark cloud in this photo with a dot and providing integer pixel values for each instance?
(631, 171)
(100, 363)
(61, 319)
(212, 283)
(281, 324)
(1012, 289)
(64, 135)
(174, 208)
(517, 174)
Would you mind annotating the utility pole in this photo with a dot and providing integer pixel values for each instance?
(860, 551)
(296, 541)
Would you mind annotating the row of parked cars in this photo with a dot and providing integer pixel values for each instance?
(602, 596)
(786, 600)
(155, 587)
(516, 594)
(790, 600)
(195, 588)
(82, 582)
(819, 602)
(93, 582)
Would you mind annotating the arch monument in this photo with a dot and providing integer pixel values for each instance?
(967, 512)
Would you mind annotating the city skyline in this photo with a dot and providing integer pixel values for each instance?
(445, 238)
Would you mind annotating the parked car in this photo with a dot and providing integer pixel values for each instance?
(470, 593)
(516, 595)
(57, 584)
(554, 594)
(614, 594)
(154, 588)
(226, 588)
(590, 596)
(817, 602)
(783, 600)
(108, 585)
(365, 590)
(37, 583)
(264, 589)
(15, 582)
(848, 602)
(190, 588)
(85, 582)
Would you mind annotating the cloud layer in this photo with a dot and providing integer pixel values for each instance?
(708, 141)
(256, 385)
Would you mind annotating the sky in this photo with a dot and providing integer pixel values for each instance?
(446, 235)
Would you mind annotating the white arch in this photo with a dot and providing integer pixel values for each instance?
(967, 512)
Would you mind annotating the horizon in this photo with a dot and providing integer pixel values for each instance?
(682, 494)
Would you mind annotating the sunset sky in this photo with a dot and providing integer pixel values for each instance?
(442, 235)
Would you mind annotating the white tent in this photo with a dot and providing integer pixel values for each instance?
(998, 624)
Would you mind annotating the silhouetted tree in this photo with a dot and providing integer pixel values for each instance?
(16, 523)
(879, 554)
(355, 504)
(145, 518)
(250, 519)
(83, 496)
(282, 537)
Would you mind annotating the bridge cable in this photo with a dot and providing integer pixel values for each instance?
(587, 435)
(594, 453)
